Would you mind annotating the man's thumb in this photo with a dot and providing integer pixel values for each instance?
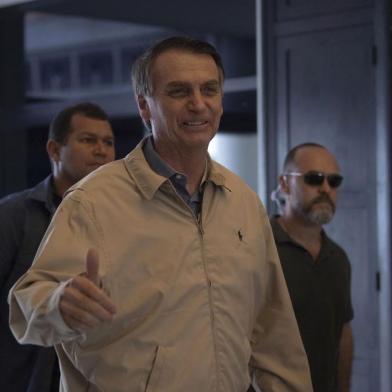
(92, 266)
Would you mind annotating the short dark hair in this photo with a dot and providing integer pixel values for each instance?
(60, 126)
(290, 157)
(141, 69)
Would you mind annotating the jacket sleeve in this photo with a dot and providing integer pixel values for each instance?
(34, 313)
(278, 360)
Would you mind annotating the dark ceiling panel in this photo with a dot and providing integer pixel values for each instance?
(217, 16)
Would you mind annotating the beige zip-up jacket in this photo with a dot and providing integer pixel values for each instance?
(201, 305)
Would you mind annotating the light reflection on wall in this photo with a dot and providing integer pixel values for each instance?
(238, 153)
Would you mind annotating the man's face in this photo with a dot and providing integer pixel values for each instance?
(90, 144)
(315, 204)
(186, 103)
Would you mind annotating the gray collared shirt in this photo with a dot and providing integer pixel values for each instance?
(178, 180)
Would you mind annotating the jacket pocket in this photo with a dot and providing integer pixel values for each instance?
(159, 370)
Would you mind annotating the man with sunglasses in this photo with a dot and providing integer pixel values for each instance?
(316, 269)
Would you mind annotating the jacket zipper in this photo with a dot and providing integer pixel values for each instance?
(199, 224)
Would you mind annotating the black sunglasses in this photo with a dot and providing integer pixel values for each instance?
(315, 178)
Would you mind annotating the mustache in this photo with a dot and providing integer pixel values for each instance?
(323, 198)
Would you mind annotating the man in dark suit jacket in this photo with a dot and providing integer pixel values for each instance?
(80, 140)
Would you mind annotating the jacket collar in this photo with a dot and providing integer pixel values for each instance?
(43, 192)
(216, 174)
(148, 181)
(279, 234)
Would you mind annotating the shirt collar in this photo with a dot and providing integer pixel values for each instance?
(44, 192)
(155, 161)
(164, 169)
(281, 236)
(149, 181)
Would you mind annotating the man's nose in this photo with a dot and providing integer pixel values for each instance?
(100, 148)
(197, 101)
(325, 187)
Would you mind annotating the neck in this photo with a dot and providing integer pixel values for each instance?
(300, 230)
(305, 234)
(61, 184)
(191, 163)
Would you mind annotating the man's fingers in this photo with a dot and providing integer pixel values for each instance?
(77, 318)
(92, 266)
(89, 294)
(83, 303)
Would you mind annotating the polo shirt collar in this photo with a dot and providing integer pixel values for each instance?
(149, 181)
(281, 236)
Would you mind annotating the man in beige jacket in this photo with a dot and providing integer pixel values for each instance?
(181, 288)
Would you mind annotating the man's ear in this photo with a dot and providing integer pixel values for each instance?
(53, 150)
(144, 109)
(284, 184)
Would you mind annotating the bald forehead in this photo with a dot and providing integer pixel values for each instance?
(315, 158)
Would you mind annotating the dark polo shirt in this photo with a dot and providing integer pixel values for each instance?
(320, 293)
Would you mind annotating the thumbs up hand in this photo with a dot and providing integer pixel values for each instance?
(83, 304)
(92, 267)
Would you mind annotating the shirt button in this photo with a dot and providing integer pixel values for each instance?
(178, 176)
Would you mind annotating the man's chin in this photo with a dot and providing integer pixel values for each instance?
(321, 216)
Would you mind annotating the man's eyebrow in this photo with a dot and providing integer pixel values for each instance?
(178, 83)
(213, 81)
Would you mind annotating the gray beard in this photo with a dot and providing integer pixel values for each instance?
(320, 216)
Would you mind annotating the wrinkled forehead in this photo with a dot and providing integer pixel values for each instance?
(316, 159)
(178, 63)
